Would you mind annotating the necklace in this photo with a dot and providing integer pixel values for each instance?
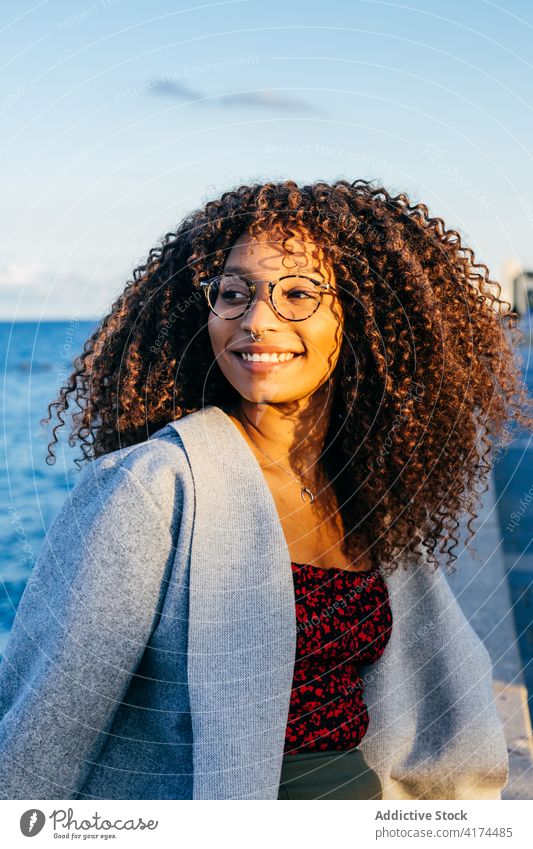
(305, 492)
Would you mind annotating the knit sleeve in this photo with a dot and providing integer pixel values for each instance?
(435, 732)
(79, 633)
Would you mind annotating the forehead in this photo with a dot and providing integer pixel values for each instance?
(268, 255)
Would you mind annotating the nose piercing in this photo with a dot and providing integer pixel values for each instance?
(259, 337)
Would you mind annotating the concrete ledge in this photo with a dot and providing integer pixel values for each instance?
(511, 701)
(481, 588)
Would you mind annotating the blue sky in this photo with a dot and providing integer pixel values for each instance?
(118, 117)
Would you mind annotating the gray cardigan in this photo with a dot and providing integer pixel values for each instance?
(153, 649)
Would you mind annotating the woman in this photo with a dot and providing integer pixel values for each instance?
(282, 408)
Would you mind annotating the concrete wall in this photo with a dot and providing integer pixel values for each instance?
(482, 590)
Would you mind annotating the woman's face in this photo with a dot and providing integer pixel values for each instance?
(314, 342)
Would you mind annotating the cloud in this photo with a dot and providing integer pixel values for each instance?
(267, 99)
(33, 291)
(15, 276)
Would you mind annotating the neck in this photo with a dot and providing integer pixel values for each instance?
(292, 433)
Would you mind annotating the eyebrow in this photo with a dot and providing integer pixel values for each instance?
(239, 269)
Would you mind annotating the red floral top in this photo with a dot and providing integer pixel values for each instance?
(343, 620)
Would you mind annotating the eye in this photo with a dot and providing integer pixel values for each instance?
(233, 295)
(296, 289)
(300, 294)
(232, 288)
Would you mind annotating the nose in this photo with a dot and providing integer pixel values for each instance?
(260, 315)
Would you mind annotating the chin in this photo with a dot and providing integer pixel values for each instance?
(268, 396)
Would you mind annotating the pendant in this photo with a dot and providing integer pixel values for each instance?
(304, 491)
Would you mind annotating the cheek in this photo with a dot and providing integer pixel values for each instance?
(324, 341)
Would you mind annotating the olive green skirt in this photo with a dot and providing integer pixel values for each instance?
(328, 775)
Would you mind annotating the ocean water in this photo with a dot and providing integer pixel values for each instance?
(36, 360)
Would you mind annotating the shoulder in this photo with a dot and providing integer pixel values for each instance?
(163, 468)
(147, 478)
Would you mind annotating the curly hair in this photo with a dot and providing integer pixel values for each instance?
(427, 378)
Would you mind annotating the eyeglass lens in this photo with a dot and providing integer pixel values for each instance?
(294, 298)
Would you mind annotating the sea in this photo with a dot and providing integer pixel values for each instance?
(36, 360)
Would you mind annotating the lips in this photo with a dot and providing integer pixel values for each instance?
(266, 356)
(261, 348)
(265, 361)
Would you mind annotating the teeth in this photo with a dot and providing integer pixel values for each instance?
(266, 358)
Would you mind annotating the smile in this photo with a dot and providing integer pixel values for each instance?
(265, 361)
(266, 357)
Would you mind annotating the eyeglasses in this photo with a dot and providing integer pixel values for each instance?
(294, 297)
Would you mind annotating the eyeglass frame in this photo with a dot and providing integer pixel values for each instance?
(206, 282)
